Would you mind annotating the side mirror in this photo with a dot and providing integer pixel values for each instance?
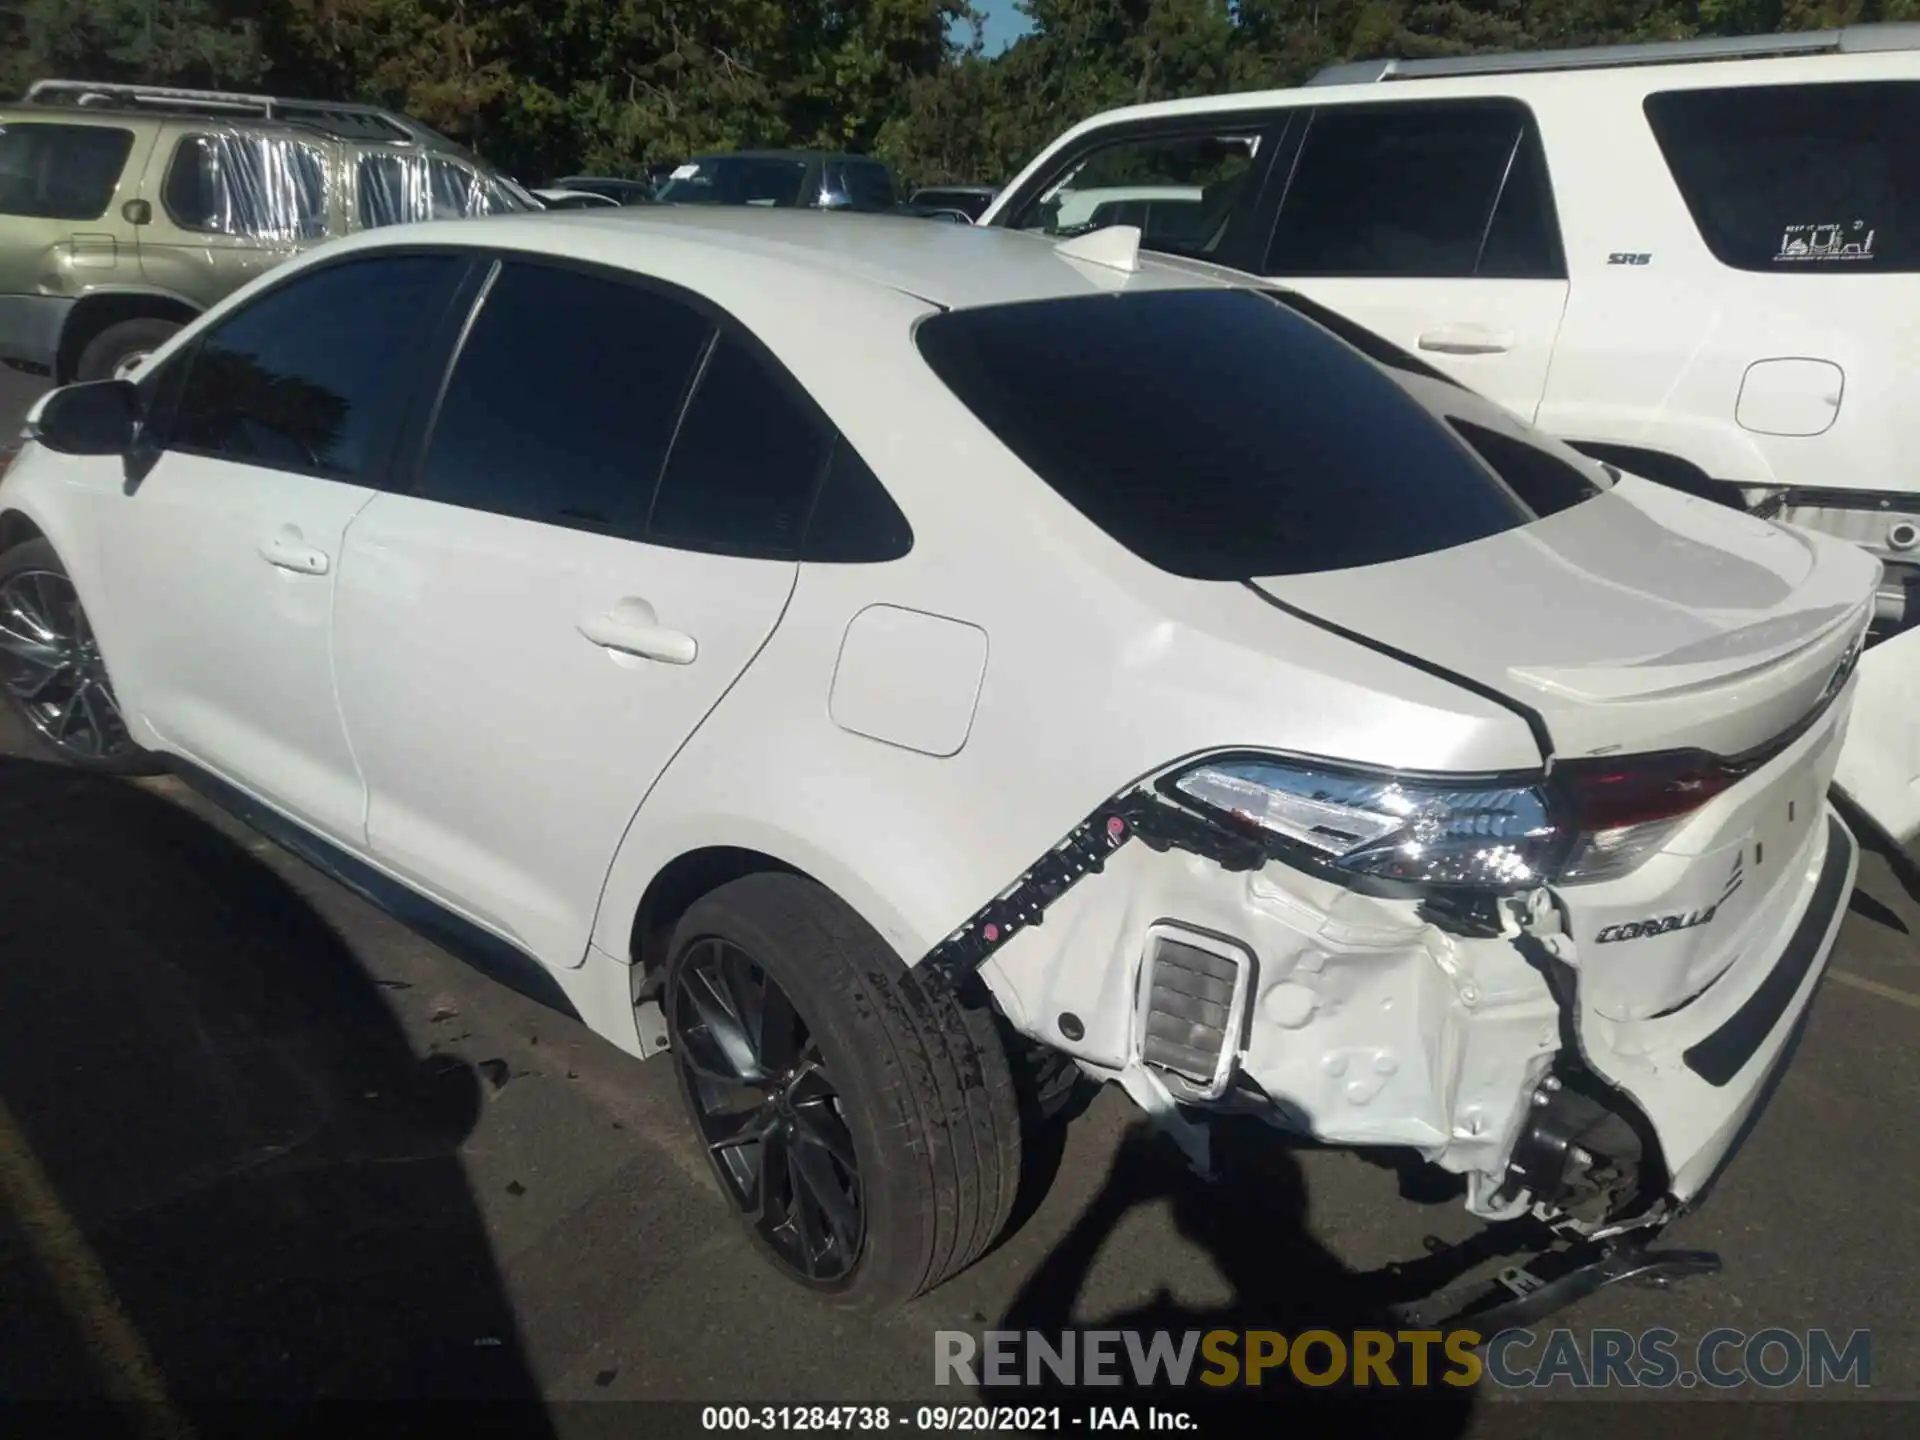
(137, 212)
(98, 417)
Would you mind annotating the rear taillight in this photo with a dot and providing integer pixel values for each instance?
(1621, 811)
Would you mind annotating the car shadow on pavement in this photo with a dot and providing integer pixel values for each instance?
(1252, 1222)
(224, 1174)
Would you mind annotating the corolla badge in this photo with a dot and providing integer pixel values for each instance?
(1658, 925)
(1686, 920)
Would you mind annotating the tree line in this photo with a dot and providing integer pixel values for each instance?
(544, 87)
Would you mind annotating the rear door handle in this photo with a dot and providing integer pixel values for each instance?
(631, 628)
(1467, 340)
(288, 551)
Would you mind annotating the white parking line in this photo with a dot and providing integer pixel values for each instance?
(1874, 987)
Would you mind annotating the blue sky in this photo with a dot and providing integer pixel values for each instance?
(1005, 23)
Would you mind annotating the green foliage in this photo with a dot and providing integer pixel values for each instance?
(185, 42)
(546, 86)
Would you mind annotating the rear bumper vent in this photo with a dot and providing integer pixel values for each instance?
(1193, 999)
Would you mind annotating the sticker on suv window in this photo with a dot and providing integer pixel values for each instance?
(1833, 241)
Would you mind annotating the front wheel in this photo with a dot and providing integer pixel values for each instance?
(862, 1124)
(51, 669)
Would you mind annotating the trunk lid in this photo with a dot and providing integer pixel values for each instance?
(1639, 620)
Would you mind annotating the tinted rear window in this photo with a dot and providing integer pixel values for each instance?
(60, 172)
(1218, 434)
(1799, 179)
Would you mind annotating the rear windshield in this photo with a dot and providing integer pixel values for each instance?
(1799, 179)
(60, 172)
(1222, 435)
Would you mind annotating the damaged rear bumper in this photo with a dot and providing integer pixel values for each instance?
(1202, 979)
(1700, 1072)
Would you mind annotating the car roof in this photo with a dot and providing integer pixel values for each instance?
(272, 127)
(1518, 83)
(124, 119)
(744, 249)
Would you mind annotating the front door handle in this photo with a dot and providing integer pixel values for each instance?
(631, 628)
(1467, 340)
(288, 551)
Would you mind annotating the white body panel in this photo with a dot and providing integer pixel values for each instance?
(505, 750)
(1880, 768)
(225, 574)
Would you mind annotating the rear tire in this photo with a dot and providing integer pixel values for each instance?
(51, 670)
(118, 346)
(904, 1078)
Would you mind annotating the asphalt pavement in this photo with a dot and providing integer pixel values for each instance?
(258, 1141)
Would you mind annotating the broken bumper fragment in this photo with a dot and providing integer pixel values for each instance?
(1204, 977)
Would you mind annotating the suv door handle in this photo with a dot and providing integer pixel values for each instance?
(1467, 340)
(287, 551)
(631, 628)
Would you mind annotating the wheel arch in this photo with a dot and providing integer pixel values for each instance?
(16, 528)
(98, 309)
(661, 871)
(681, 884)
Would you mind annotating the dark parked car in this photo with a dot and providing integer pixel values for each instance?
(805, 179)
(620, 191)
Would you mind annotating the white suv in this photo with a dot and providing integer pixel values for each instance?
(742, 629)
(1699, 260)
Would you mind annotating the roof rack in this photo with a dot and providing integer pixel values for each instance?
(1844, 40)
(336, 118)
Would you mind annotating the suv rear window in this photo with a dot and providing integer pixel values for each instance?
(60, 172)
(1219, 434)
(1798, 179)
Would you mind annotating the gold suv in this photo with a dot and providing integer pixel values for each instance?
(126, 210)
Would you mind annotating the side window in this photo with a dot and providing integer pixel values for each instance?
(383, 191)
(745, 463)
(401, 189)
(1523, 238)
(307, 377)
(563, 401)
(1408, 190)
(1798, 179)
(854, 520)
(260, 187)
(1179, 190)
(60, 172)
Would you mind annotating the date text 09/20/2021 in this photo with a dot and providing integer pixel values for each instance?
(946, 1419)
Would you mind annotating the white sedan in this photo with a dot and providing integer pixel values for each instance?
(743, 629)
